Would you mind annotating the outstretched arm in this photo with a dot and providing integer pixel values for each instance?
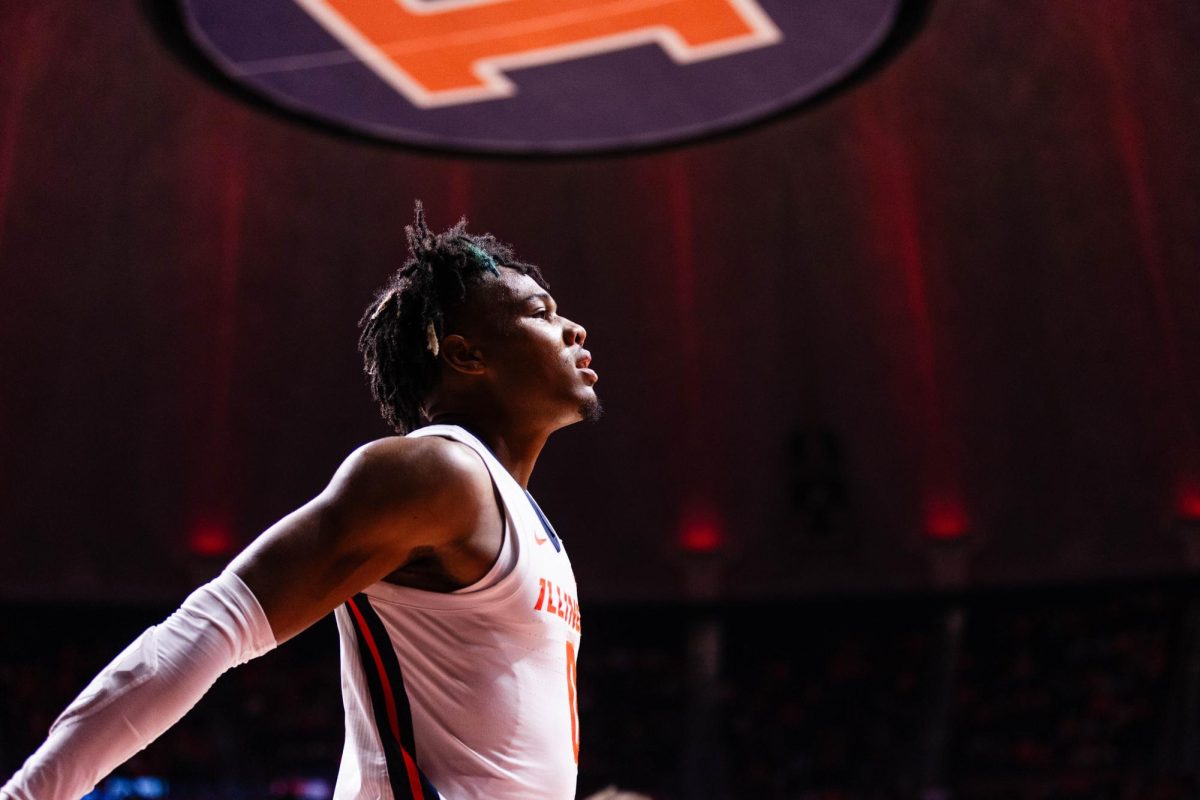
(145, 690)
(388, 498)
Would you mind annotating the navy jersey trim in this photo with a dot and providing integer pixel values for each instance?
(389, 701)
(545, 522)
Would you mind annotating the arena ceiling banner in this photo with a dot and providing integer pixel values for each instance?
(539, 76)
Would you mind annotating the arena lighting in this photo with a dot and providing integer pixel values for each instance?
(301, 788)
(700, 532)
(1189, 504)
(700, 537)
(948, 544)
(945, 520)
(1187, 522)
(140, 788)
(208, 539)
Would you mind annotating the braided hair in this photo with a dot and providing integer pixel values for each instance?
(401, 328)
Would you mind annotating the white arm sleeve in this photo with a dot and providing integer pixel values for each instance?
(145, 690)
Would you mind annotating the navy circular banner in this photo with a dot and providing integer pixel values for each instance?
(539, 76)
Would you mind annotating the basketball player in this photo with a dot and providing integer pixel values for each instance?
(454, 598)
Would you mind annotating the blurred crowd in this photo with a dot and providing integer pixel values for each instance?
(1028, 695)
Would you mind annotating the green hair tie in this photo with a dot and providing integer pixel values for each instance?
(487, 260)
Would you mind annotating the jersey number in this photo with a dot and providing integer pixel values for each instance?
(573, 700)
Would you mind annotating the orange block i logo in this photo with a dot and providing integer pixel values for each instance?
(545, 76)
(459, 51)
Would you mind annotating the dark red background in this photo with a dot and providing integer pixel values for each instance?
(978, 268)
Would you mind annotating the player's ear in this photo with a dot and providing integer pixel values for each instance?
(458, 353)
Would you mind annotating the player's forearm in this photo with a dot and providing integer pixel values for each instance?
(145, 690)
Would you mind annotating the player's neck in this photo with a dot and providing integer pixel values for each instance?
(516, 449)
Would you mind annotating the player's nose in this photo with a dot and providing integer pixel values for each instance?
(573, 332)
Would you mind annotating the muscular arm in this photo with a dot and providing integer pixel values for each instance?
(388, 499)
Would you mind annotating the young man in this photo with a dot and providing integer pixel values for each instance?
(454, 598)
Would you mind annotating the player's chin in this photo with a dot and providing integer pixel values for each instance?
(590, 410)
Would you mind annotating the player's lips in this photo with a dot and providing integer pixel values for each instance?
(582, 362)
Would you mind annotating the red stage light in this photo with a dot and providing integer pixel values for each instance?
(210, 539)
(1189, 503)
(700, 539)
(701, 533)
(945, 520)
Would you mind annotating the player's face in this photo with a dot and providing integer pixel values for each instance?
(535, 357)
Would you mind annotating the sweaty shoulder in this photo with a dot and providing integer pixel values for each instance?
(436, 486)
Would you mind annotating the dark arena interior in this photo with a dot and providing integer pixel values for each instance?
(895, 308)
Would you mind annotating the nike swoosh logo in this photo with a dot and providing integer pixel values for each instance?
(539, 539)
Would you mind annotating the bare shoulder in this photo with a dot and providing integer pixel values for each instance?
(407, 475)
(389, 499)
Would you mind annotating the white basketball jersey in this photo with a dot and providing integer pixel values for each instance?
(468, 695)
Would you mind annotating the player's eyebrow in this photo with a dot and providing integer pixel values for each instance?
(538, 296)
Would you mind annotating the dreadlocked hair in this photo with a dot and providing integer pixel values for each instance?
(402, 327)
